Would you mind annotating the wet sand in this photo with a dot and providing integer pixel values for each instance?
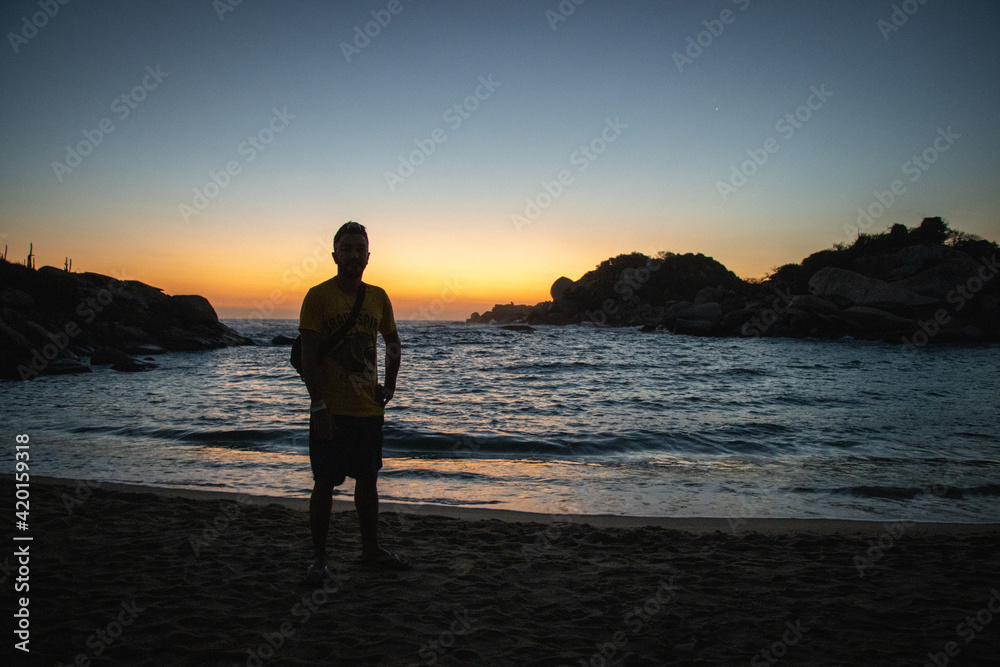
(135, 576)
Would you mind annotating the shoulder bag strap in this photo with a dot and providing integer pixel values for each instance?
(348, 324)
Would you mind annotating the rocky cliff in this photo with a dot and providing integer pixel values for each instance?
(54, 321)
(909, 286)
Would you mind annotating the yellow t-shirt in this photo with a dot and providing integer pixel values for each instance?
(349, 373)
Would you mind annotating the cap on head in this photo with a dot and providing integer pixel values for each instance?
(349, 227)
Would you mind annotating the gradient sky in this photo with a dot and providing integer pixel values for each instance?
(445, 240)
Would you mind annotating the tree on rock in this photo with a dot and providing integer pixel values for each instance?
(931, 230)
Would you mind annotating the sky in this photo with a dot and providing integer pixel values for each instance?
(489, 147)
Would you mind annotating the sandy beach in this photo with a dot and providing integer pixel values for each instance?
(138, 576)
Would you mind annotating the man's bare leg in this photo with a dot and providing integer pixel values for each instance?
(320, 505)
(366, 503)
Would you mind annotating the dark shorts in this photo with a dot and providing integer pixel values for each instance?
(355, 450)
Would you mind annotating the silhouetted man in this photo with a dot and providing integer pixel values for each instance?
(339, 322)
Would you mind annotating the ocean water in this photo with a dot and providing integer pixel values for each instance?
(565, 420)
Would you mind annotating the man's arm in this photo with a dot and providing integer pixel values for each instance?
(310, 368)
(393, 355)
(323, 419)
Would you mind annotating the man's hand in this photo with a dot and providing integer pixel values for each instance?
(323, 423)
(384, 394)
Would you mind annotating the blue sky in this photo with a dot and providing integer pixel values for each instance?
(456, 234)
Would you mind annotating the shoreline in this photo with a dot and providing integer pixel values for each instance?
(124, 574)
(693, 525)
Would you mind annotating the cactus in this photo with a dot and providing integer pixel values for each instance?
(30, 261)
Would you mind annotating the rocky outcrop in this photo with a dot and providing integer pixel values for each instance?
(847, 288)
(904, 286)
(53, 321)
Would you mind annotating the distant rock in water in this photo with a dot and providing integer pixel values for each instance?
(282, 340)
(133, 366)
(50, 319)
(910, 286)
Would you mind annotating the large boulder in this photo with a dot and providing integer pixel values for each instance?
(848, 288)
(15, 298)
(708, 311)
(671, 311)
(699, 320)
(134, 296)
(694, 327)
(55, 286)
(943, 278)
(15, 349)
(875, 321)
(709, 294)
(813, 304)
(193, 309)
(128, 336)
(560, 288)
